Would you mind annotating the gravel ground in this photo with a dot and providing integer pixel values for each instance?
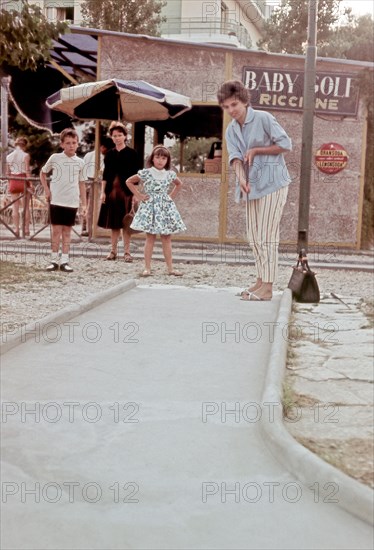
(28, 293)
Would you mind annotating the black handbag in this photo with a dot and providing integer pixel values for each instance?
(303, 282)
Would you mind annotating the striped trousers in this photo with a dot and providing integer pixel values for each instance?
(263, 219)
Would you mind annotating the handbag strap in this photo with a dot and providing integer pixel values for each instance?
(303, 261)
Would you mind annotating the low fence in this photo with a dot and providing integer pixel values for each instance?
(33, 208)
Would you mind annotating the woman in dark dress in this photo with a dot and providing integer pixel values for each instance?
(120, 163)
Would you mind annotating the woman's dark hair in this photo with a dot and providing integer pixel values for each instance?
(234, 88)
(117, 126)
(159, 151)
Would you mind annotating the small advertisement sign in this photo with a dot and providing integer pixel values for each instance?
(331, 158)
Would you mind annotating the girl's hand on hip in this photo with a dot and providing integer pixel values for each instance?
(141, 197)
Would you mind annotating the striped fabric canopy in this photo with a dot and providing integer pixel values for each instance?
(128, 100)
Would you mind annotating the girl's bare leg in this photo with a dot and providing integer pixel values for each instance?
(26, 212)
(148, 250)
(166, 249)
(15, 212)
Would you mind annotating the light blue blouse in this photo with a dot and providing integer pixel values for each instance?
(268, 172)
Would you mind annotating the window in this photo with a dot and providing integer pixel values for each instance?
(50, 14)
(63, 14)
(193, 138)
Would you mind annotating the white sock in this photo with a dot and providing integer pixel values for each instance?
(64, 258)
(55, 258)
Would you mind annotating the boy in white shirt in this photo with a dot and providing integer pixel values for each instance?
(66, 187)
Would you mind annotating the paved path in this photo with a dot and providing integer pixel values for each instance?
(145, 434)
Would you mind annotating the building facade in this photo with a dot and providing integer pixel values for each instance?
(228, 22)
(54, 10)
(276, 81)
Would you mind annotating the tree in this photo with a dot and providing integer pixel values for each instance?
(25, 42)
(26, 37)
(195, 151)
(131, 16)
(87, 141)
(353, 40)
(286, 29)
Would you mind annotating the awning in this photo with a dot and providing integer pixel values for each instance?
(73, 60)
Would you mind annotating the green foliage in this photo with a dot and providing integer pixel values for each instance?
(87, 141)
(195, 151)
(26, 37)
(41, 145)
(286, 30)
(354, 40)
(131, 16)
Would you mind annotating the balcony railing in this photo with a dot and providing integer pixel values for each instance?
(194, 26)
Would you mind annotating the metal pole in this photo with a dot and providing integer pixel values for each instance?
(307, 131)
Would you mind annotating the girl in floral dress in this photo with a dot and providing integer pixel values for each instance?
(157, 213)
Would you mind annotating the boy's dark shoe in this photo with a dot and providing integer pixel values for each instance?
(66, 267)
(52, 267)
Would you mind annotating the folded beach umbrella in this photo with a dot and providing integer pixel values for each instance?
(129, 100)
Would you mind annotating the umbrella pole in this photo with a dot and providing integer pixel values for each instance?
(118, 108)
(181, 154)
(92, 190)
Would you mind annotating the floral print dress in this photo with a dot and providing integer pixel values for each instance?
(158, 214)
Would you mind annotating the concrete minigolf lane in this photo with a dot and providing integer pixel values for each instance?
(136, 426)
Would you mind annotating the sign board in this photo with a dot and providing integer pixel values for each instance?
(331, 158)
(277, 89)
